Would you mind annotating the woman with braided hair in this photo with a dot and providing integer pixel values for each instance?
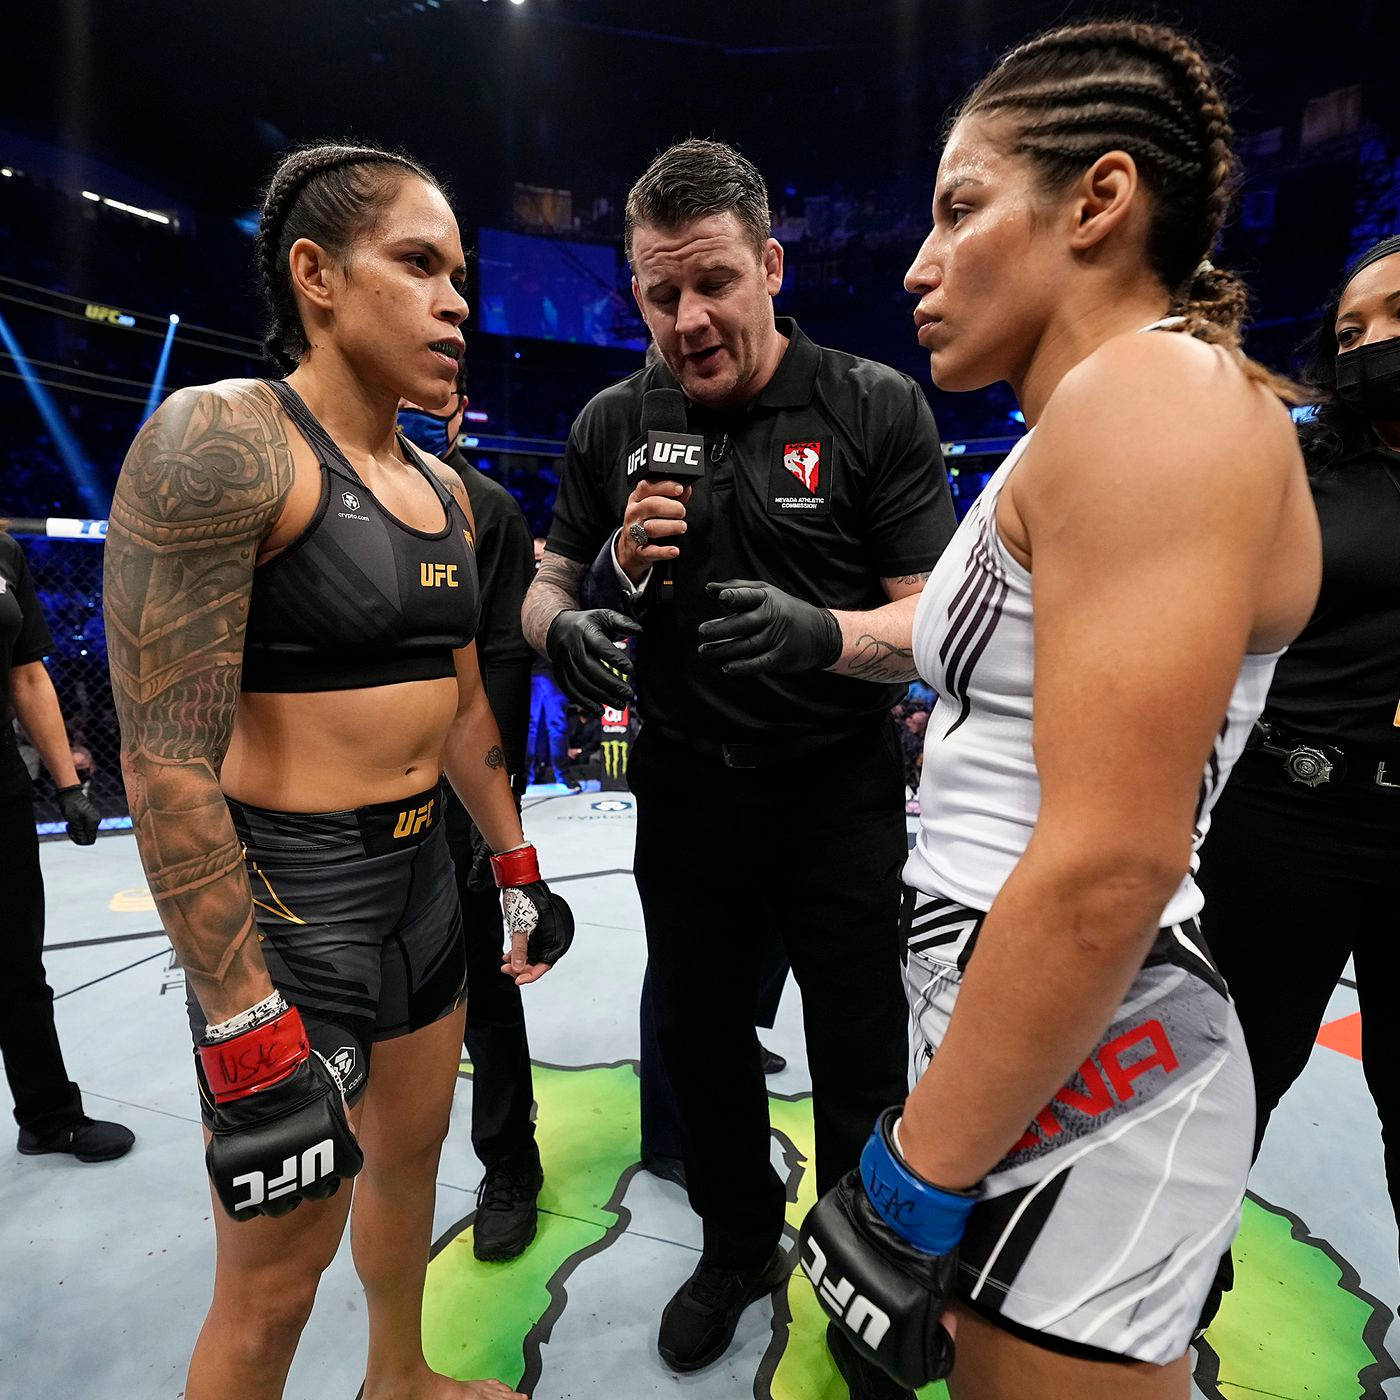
(1101, 632)
(291, 605)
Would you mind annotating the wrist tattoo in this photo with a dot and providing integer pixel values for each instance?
(495, 757)
(878, 660)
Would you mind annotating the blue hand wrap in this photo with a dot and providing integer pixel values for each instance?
(930, 1218)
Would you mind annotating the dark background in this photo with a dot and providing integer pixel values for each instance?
(539, 116)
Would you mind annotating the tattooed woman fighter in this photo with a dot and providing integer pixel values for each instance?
(291, 603)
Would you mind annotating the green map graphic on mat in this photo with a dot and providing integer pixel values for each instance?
(1290, 1327)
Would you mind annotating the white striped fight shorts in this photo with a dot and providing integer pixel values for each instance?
(1100, 1231)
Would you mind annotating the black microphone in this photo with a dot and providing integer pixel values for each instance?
(673, 453)
(668, 452)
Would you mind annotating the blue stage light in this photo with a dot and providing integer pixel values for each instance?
(79, 468)
(158, 383)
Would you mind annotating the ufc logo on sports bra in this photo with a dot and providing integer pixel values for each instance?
(868, 1322)
(413, 820)
(316, 1162)
(437, 575)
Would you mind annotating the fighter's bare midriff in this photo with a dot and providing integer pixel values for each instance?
(329, 751)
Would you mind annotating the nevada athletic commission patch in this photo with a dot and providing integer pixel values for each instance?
(799, 481)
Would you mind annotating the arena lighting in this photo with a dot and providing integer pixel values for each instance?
(62, 435)
(6, 171)
(151, 214)
(158, 383)
(475, 415)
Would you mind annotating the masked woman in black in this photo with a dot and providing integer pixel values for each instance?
(1300, 869)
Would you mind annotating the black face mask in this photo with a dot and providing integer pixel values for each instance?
(1368, 378)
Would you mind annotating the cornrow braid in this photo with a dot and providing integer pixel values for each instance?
(332, 195)
(1072, 94)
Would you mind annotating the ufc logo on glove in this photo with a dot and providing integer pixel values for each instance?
(316, 1162)
(860, 1315)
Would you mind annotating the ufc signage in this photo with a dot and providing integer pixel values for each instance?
(316, 1162)
(680, 453)
(412, 820)
(437, 575)
(675, 456)
(840, 1298)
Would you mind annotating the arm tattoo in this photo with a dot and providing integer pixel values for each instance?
(877, 660)
(907, 580)
(555, 589)
(201, 486)
(495, 757)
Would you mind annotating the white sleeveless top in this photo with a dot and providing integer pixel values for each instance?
(980, 793)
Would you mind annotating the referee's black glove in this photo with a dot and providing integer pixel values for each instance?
(79, 812)
(767, 631)
(588, 665)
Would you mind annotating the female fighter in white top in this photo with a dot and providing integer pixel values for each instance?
(1101, 632)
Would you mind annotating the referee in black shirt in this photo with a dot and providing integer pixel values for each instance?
(768, 776)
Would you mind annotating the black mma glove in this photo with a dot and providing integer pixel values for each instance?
(881, 1251)
(767, 631)
(280, 1132)
(531, 907)
(80, 814)
(480, 877)
(581, 646)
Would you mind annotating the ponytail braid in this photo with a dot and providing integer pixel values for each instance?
(1072, 94)
(332, 195)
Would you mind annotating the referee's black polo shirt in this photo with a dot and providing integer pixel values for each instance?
(831, 480)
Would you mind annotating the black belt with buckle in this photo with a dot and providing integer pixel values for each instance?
(752, 755)
(1311, 764)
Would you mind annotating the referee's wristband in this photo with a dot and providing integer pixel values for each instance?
(929, 1217)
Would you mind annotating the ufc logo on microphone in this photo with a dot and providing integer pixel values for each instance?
(860, 1315)
(316, 1162)
(686, 454)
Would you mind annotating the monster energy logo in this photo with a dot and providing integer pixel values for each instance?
(615, 757)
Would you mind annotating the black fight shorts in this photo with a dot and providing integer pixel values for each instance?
(358, 922)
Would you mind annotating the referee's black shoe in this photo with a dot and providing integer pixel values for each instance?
(863, 1378)
(698, 1323)
(87, 1139)
(506, 1211)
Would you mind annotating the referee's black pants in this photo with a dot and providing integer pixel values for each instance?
(1296, 880)
(45, 1098)
(502, 1087)
(812, 847)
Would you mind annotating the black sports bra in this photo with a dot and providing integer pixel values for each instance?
(359, 598)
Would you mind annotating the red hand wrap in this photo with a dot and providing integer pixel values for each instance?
(257, 1059)
(520, 867)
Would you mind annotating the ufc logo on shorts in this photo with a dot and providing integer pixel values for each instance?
(412, 820)
(868, 1322)
(316, 1162)
(437, 575)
